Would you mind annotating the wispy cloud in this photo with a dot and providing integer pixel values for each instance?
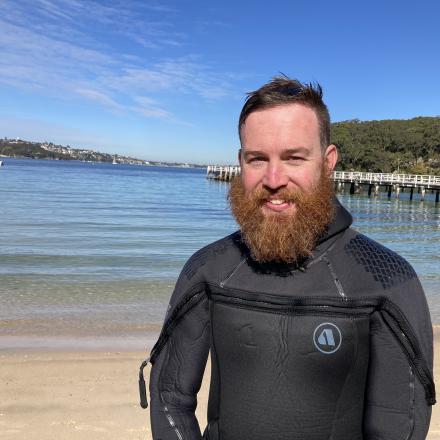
(150, 108)
(47, 46)
(95, 95)
(184, 75)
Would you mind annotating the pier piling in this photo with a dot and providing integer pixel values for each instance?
(352, 188)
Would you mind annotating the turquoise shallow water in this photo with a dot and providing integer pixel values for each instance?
(94, 249)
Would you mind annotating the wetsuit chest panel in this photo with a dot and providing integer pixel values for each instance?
(289, 376)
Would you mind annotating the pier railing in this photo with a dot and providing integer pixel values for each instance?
(402, 180)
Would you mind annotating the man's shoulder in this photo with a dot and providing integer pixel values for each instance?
(221, 253)
(384, 265)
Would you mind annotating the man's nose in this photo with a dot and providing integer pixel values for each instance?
(274, 176)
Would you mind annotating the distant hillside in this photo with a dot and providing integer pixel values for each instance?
(407, 146)
(410, 146)
(48, 150)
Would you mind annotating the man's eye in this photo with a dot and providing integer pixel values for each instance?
(295, 159)
(255, 160)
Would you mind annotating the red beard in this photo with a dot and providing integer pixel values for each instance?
(283, 237)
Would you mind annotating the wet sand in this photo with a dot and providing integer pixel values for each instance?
(89, 395)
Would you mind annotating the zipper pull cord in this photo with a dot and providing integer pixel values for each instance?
(142, 387)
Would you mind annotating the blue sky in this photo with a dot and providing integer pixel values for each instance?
(166, 80)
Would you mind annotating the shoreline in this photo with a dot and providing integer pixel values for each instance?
(72, 344)
(141, 341)
(123, 160)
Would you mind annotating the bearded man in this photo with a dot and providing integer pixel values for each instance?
(315, 331)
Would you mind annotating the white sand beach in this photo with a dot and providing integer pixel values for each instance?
(90, 395)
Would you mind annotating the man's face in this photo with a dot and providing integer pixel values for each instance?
(281, 149)
(283, 200)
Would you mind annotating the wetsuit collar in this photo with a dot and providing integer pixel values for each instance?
(341, 221)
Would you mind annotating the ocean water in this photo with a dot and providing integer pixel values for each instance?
(91, 252)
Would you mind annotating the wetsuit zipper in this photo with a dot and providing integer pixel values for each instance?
(403, 332)
(185, 305)
(299, 310)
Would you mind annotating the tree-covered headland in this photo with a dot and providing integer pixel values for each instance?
(406, 146)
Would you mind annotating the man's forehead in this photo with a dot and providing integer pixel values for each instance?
(282, 119)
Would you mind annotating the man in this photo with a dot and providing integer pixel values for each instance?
(315, 331)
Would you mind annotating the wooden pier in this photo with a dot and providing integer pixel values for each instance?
(224, 173)
(396, 183)
(357, 181)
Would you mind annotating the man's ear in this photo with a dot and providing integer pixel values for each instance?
(331, 157)
(239, 156)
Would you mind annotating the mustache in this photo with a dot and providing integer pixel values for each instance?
(288, 195)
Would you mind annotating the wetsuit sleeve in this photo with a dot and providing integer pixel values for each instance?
(400, 390)
(179, 360)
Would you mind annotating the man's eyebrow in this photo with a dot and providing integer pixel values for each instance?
(253, 153)
(294, 150)
(297, 150)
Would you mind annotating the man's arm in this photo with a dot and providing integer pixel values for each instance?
(399, 389)
(179, 359)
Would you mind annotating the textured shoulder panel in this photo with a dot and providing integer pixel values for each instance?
(201, 257)
(385, 266)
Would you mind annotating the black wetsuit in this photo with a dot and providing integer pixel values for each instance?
(338, 348)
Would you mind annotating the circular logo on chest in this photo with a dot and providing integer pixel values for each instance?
(327, 338)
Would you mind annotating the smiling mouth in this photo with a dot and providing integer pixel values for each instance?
(277, 205)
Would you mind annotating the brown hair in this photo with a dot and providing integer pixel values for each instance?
(282, 90)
